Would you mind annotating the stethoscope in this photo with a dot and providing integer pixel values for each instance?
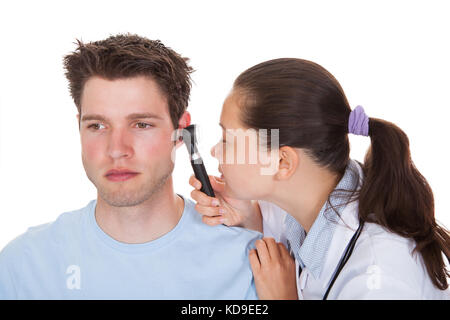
(345, 256)
(347, 253)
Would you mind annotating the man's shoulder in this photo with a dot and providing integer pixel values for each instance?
(45, 235)
(221, 233)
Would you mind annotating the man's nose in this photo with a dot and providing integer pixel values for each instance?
(120, 144)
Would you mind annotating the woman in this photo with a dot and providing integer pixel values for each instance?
(356, 231)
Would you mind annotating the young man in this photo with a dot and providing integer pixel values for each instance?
(138, 239)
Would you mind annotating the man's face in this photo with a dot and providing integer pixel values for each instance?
(126, 126)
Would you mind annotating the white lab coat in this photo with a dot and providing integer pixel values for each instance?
(380, 267)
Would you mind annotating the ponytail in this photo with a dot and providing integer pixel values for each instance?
(396, 196)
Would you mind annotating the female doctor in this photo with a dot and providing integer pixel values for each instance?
(334, 228)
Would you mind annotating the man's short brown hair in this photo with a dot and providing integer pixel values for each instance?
(130, 55)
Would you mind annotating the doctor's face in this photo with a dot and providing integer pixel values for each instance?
(125, 131)
(242, 162)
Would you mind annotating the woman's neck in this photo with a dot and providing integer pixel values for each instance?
(305, 193)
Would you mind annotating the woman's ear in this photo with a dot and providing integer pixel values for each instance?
(288, 162)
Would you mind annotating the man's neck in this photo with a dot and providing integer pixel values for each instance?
(142, 223)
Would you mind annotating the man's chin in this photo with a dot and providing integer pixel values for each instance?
(131, 197)
(121, 199)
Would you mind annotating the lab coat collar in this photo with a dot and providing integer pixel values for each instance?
(347, 225)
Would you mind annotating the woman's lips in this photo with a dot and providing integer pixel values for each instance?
(121, 176)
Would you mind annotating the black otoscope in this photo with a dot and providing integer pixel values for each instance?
(190, 140)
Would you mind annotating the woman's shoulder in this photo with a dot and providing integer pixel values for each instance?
(392, 257)
(387, 248)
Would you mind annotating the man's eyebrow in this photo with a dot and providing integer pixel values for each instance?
(131, 116)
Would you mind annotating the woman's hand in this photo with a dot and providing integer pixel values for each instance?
(274, 271)
(223, 209)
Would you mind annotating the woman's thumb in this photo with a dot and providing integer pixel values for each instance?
(217, 184)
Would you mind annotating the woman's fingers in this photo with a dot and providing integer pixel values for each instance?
(216, 183)
(254, 261)
(193, 181)
(273, 249)
(284, 253)
(203, 199)
(263, 252)
(230, 211)
(270, 252)
(199, 196)
(274, 270)
(212, 221)
(209, 211)
(287, 261)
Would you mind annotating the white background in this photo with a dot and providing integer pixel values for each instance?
(392, 57)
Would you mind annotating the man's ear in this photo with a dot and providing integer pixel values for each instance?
(185, 120)
(288, 162)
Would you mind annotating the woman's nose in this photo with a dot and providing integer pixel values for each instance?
(217, 152)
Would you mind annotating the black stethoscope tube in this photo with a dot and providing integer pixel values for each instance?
(345, 257)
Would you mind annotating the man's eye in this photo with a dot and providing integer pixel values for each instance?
(143, 125)
(98, 126)
(95, 126)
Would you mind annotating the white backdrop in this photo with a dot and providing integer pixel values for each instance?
(392, 57)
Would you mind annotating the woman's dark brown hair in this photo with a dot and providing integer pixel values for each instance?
(308, 106)
(129, 55)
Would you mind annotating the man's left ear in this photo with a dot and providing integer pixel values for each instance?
(185, 120)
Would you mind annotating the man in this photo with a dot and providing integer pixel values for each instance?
(138, 239)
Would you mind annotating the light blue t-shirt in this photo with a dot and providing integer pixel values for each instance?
(72, 258)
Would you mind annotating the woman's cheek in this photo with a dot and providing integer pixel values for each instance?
(236, 182)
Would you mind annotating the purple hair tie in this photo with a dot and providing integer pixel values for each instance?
(358, 122)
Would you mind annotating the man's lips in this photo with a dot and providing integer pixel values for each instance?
(120, 171)
(120, 174)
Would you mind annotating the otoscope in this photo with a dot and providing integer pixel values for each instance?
(190, 140)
